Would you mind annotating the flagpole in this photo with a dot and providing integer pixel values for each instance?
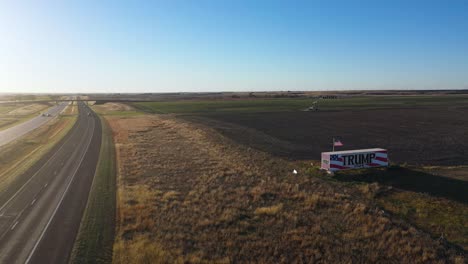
(333, 144)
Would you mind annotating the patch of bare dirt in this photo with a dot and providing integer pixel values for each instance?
(113, 107)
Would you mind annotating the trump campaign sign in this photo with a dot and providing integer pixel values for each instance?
(354, 159)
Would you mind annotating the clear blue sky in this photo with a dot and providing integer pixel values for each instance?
(223, 45)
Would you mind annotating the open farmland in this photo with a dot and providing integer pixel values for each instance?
(429, 130)
(211, 181)
(425, 135)
(344, 102)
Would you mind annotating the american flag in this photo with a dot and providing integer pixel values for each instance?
(337, 143)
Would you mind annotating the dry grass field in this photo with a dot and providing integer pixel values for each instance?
(188, 194)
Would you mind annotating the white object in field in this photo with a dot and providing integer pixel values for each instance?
(354, 159)
(294, 171)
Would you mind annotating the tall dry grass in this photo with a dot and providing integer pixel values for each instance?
(188, 194)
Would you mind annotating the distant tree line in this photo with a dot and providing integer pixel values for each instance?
(25, 97)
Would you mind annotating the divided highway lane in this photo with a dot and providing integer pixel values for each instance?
(40, 218)
(12, 133)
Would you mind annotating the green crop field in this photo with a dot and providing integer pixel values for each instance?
(298, 104)
(224, 106)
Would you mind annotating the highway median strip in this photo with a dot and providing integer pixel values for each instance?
(95, 238)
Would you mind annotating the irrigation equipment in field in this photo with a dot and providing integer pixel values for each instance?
(314, 106)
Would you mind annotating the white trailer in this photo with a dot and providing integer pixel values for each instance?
(354, 159)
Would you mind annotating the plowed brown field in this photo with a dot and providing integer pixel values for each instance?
(418, 136)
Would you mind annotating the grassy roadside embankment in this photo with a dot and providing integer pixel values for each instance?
(96, 235)
(12, 115)
(19, 155)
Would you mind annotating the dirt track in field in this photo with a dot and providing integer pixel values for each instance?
(420, 136)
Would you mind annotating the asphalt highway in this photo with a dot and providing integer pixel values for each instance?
(12, 133)
(40, 212)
